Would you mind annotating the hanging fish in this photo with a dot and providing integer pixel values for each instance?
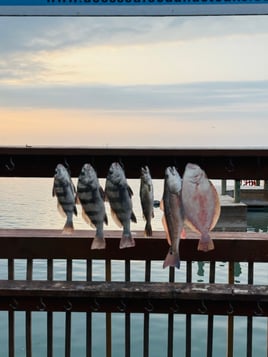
(64, 190)
(119, 196)
(201, 204)
(147, 199)
(91, 196)
(173, 215)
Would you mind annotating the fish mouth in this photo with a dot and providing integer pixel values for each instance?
(87, 169)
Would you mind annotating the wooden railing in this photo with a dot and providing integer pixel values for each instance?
(176, 293)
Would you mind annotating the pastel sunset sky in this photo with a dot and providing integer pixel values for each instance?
(134, 81)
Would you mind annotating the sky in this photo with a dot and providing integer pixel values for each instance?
(134, 81)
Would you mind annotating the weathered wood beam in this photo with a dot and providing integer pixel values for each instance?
(231, 163)
(51, 244)
(223, 299)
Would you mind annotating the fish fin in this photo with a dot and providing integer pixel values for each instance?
(102, 193)
(75, 210)
(116, 220)
(191, 226)
(172, 260)
(77, 200)
(148, 230)
(60, 209)
(126, 242)
(86, 218)
(68, 228)
(161, 205)
(74, 188)
(133, 217)
(164, 222)
(130, 192)
(183, 233)
(205, 244)
(217, 211)
(98, 243)
(105, 219)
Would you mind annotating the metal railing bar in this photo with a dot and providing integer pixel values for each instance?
(267, 339)
(68, 314)
(127, 314)
(11, 314)
(188, 340)
(249, 318)
(28, 317)
(108, 276)
(88, 314)
(212, 268)
(49, 313)
(146, 315)
(170, 319)
(230, 331)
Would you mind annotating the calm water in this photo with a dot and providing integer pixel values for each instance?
(28, 203)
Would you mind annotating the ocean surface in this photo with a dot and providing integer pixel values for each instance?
(28, 203)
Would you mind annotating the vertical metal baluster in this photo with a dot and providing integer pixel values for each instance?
(108, 276)
(267, 339)
(170, 318)
(230, 336)
(127, 314)
(250, 319)
(68, 314)
(11, 329)
(49, 313)
(146, 322)
(28, 321)
(89, 315)
(188, 316)
(210, 317)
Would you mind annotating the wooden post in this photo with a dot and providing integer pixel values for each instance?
(265, 185)
(223, 187)
(237, 191)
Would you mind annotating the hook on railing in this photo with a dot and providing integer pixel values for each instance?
(175, 307)
(96, 306)
(14, 304)
(230, 309)
(149, 307)
(203, 309)
(121, 163)
(68, 306)
(11, 165)
(259, 310)
(42, 306)
(122, 306)
(66, 164)
(230, 167)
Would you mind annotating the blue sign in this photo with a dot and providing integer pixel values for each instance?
(132, 7)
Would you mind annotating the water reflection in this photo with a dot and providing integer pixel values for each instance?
(201, 271)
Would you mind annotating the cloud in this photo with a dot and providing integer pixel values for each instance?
(126, 50)
(48, 33)
(203, 97)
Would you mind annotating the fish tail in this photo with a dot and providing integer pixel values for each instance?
(172, 260)
(205, 244)
(133, 217)
(68, 228)
(183, 233)
(126, 242)
(148, 230)
(98, 243)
